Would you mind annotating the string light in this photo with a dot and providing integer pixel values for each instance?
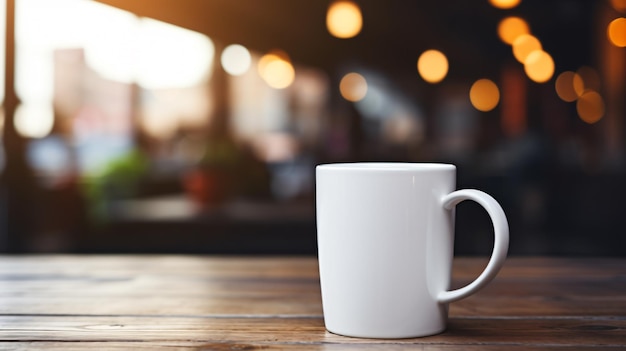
(512, 27)
(504, 4)
(617, 32)
(344, 19)
(539, 66)
(524, 45)
(569, 86)
(432, 66)
(484, 95)
(590, 107)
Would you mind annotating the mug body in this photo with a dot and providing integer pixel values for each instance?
(385, 247)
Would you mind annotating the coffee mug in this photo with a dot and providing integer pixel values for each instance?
(385, 236)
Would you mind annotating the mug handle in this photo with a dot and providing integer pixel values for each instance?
(500, 245)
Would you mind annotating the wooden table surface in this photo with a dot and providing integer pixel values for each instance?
(246, 303)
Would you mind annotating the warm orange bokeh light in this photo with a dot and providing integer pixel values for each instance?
(512, 27)
(590, 78)
(353, 87)
(265, 60)
(484, 95)
(344, 19)
(617, 32)
(524, 45)
(539, 66)
(276, 70)
(569, 86)
(432, 66)
(619, 5)
(590, 106)
(504, 4)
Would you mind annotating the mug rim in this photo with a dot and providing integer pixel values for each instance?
(387, 166)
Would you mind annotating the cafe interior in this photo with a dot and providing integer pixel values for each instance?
(194, 126)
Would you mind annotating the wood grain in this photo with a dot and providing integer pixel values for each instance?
(273, 303)
(208, 346)
(266, 330)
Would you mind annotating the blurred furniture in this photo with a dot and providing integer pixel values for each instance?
(159, 302)
(175, 224)
(564, 214)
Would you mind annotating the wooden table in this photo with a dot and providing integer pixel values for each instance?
(248, 303)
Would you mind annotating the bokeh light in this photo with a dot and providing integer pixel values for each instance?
(617, 32)
(353, 87)
(569, 86)
(539, 66)
(590, 78)
(34, 120)
(267, 58)
(504, 4)
(619, 5)
(279, 74)
(344, 19)
(484, 95)
(276, 70)
(524, 45)
(590, 106)
(432, 66)
(512, 27)
(236, 59)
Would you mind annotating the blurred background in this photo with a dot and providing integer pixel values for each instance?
(194, 126)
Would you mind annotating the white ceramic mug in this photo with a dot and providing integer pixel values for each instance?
(385, 246)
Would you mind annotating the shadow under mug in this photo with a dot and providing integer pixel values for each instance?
(385, 236)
